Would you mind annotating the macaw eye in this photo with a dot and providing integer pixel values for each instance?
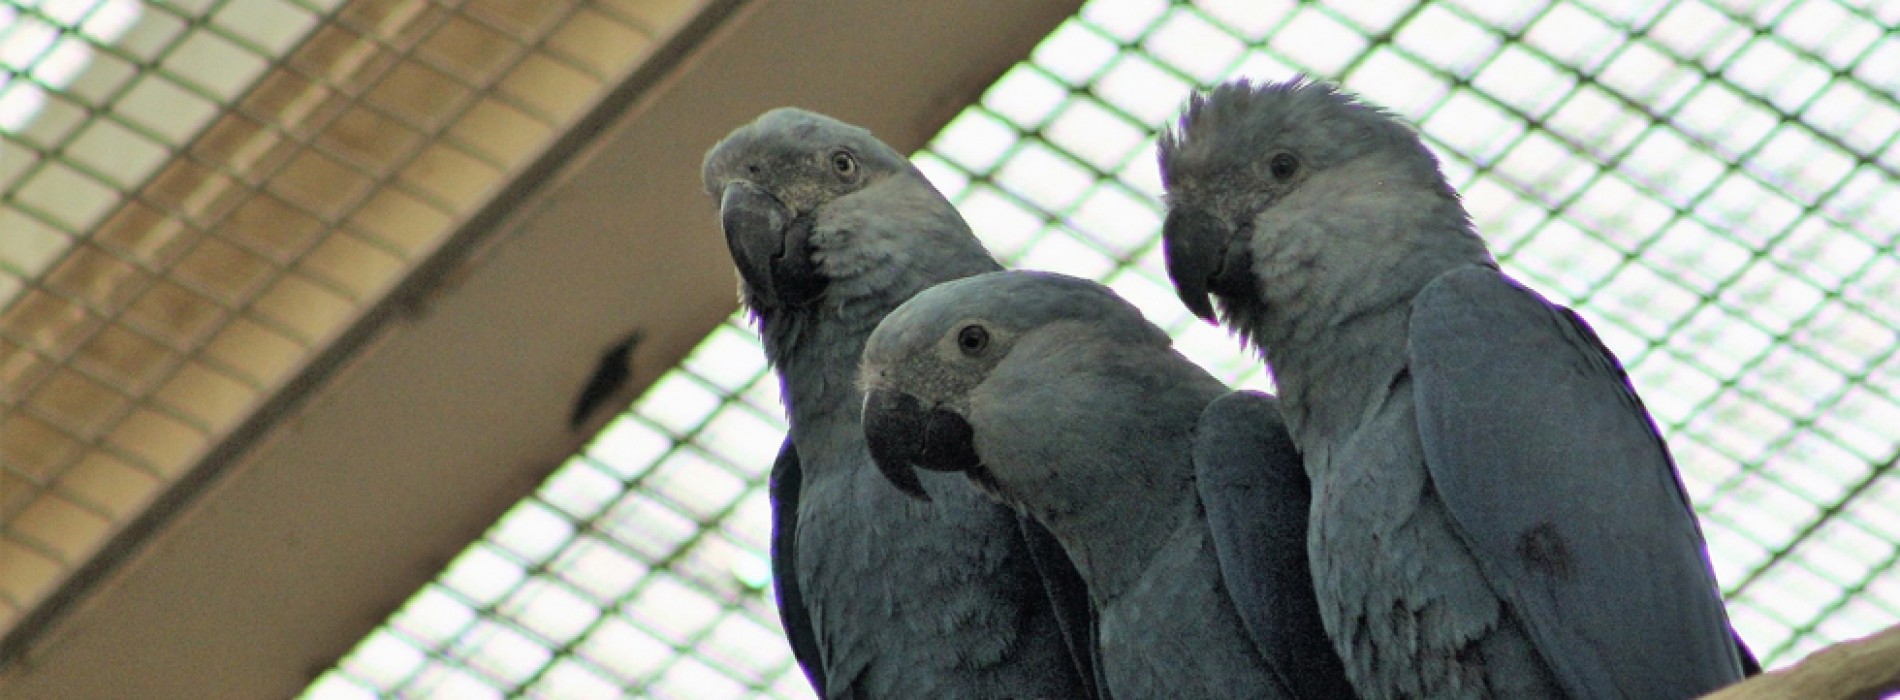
(844, 164)
(972, 339)
(1283, 166)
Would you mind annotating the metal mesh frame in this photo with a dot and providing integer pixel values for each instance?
(1713, 186)
(197, 197)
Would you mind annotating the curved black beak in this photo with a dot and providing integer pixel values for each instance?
(770, 246)
(904, 436)
(1195, 246)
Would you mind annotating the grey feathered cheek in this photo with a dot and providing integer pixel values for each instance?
(830, 235)
(843, 252)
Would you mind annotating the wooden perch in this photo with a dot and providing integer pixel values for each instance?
(1866, 668)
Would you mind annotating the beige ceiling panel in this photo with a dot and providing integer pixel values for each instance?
(125, 358)
(244, 146)
(98, 279)
(592, 40)
(226, 273)
(210, 400)
(174, 315)
(31, 573)
(448, 175)
(500, 132)
(256, 352)
(48, 323)
(109, 485)
(469, 49)
(35, 449)
(308, 310)
(273, 228)
(79, 405)
(552, 89)
(158, 441)
(144, 234)
(321, 184)
(20, 370)
(360, 269)
(402, 220)
(67, 530)
(195, 191)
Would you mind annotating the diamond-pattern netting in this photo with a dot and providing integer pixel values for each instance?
(197, 197)
(1712, 185)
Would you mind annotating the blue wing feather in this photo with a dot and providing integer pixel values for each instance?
(792, 614)
(1069, 598)
(1563, 489)
(1257, 497)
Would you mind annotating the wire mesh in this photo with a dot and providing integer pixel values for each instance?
(1712, 185)
(197, 196)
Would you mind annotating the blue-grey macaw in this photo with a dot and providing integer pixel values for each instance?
(881, 595)
(1494, 513)
(1183, 505)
